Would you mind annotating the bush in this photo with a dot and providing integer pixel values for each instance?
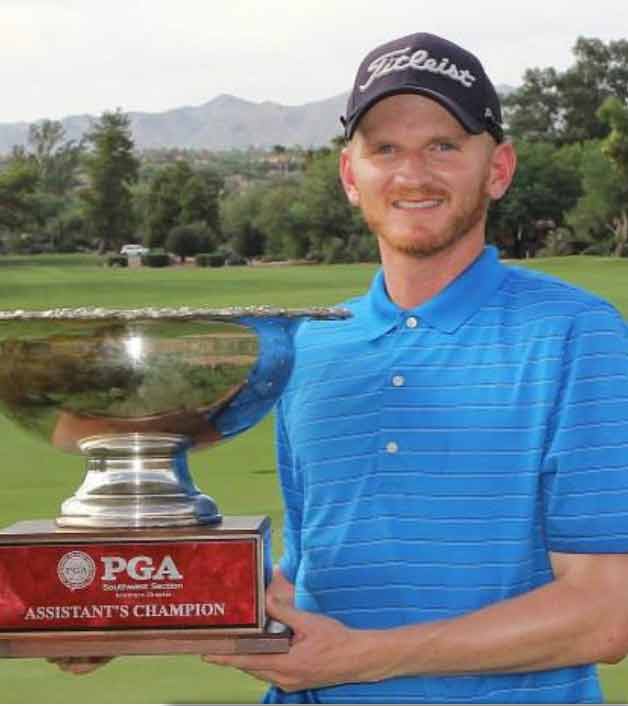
(213, 259)
(357, 248)
(28, 244)
(272, 258)
(335, 252)
(314, 256)
(558, 243)
(603, 248)
(234, 260)
(156, 259)
(190, 239)
(117, 261)
(363, 248)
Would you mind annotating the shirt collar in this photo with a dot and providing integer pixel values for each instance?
(448, 310)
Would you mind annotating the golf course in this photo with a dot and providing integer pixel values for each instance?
(240, 475)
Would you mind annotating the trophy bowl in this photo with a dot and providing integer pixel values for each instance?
(135, 390)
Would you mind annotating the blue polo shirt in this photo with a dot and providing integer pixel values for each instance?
(431, 458)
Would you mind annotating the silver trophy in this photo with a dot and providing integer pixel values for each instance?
(134, 391)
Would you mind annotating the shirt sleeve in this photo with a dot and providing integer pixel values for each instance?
(291, 484)
(585, 471)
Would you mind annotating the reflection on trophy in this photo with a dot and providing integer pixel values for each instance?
(139, 561)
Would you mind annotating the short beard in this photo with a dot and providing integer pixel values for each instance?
(463, 224)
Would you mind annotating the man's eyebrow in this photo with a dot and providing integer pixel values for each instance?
(374, 136)
(457, 135)
(370, 133)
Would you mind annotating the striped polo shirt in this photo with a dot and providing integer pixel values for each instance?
(431, 458)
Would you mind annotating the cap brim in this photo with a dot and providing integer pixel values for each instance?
(469, 123)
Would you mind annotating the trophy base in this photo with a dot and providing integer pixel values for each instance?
(110, 592)
(117, 643)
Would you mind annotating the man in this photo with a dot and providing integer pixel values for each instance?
(454, 459)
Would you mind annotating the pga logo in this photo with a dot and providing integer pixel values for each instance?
(76, 570)
(140, 568)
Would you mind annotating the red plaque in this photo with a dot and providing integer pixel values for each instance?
(69, 592)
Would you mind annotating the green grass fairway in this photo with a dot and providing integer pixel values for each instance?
(240, 475)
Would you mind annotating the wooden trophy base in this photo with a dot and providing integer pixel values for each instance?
(100, 593)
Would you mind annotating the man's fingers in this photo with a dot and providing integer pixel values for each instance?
(280, 587)
(246, 662)
(267, 675)
(79, 665)
(286, 613)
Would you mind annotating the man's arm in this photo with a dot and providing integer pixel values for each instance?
(579, 618)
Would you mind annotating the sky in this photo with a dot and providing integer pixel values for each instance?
(70, 57)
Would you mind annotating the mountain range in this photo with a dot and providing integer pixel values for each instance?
(223, 123)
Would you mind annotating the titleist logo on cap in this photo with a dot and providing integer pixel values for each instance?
(400, 60)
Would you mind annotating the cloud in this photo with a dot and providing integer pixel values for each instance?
(69, 56)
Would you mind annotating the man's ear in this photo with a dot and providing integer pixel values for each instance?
(347, 177)
(503, 166)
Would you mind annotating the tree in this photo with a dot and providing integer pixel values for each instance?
(57, 159)
(532, 111)
(614, 113)
(603, 193)
(239, 212)
(546, 185)
(179, 196)
(66, 232)
(112, 168)
(282, 219)
(601, 215)
(326, 209)
(563, 107)
(37, 189)
(164, 201)
(584, 87)
(17, 188)
(53, 204)
(199, 199)
(140, 197)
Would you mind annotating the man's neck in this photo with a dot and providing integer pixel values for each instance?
(411, 281)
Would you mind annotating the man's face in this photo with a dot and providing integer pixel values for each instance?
(421, 180)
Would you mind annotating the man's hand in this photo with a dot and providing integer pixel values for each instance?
(323, 652)
(579, 618)
(79, 665)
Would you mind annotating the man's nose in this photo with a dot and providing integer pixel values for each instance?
(413, 170)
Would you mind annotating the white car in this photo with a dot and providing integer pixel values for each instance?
(133, 250)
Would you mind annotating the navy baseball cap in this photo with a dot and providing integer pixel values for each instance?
(430, 66)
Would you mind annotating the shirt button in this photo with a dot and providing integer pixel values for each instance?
(392, 447)
(398, 381)
(412, 322)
